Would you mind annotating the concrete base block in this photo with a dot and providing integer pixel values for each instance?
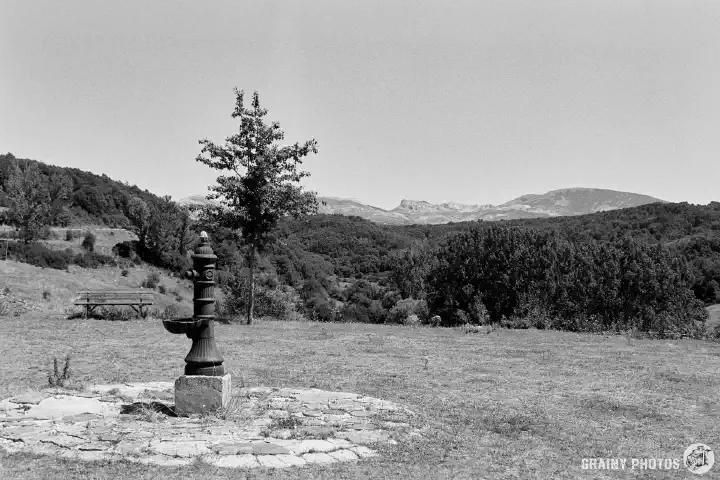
(201, 394)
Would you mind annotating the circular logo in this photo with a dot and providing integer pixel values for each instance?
(699, 458)
(209, 274)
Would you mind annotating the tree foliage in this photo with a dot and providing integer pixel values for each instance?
(29, 200)
(262, 186)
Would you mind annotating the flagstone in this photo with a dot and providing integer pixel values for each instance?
(235, 461)
(232, 448)
(127, 448)
(268, 449)
(343, 455)
(181, 449)
(318, 458)
(291, 460)
(93, 455)
(92, 446)
(61, 440)
(30, 397)
(363, 452)
(271, 461)
(306, 446)
(340, 442)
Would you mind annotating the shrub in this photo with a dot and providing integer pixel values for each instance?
(88, 242)
(270, 302)
(152, 281)
(4, 309)
(114, 313)
(126, 249)
(169, 312)
(162, 289)
(46, 294)
(92, 260)
(124, 272)
(39, 255)
(69, 235)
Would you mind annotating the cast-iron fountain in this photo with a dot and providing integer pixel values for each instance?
(205, 386)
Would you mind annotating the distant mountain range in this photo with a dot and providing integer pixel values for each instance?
(564, 202)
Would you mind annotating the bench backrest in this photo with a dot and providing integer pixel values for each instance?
(140, 295)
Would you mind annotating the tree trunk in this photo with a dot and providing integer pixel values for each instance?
(251, 290)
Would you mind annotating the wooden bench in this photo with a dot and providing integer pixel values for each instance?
(137, 299)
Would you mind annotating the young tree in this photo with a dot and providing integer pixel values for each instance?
(262, 186)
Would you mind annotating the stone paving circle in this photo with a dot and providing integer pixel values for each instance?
(269, 427)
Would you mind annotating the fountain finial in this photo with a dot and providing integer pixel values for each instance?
(204, 235)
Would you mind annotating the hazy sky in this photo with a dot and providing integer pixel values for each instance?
(472, 101)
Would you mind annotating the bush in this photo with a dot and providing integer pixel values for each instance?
(124, 272)
(114, 313)
(405, 308)
(152, 281)
(4, 309)
(88, 242)
(126, 249)
(170, 312)
(162, 289)
(69, 235)
(92, 260)
(269, 302)
(38, 255)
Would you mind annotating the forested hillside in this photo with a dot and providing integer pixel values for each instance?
(636, 266)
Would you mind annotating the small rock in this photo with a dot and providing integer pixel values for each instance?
(313, 413)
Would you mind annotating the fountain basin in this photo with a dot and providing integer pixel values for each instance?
(184, 325)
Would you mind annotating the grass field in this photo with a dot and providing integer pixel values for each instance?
(53, 291)
(511, 404)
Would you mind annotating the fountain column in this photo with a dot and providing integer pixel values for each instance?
(205, 387)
